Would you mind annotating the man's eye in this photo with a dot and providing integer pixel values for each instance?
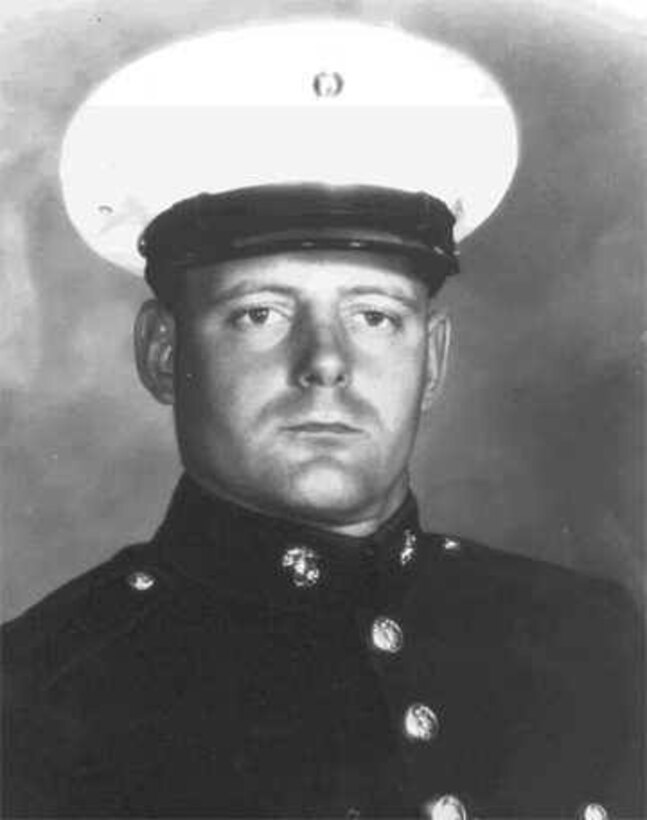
(379, 320)
(258, 316)
(374, 318)
(255, 317)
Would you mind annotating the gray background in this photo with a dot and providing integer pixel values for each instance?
(537, 445)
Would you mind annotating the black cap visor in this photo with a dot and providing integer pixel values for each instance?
(209, 229)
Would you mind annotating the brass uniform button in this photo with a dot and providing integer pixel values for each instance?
(446, 807)
(593, 811)
(303, 565)
(141, 581)
(420, 723)
(387, 635)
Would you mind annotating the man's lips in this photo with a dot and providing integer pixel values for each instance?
(339, 428)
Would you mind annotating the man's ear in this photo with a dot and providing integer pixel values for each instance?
(154, 337)
(438, 338)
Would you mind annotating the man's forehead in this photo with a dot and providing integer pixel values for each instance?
(310, 273)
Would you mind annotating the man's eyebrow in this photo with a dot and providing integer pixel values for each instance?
(243, 288)
(384, 290)
(240, 289)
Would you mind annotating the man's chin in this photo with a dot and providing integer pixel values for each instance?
(328, 493)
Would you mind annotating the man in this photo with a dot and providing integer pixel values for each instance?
(290, 643)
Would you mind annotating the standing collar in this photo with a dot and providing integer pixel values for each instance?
(243, 554)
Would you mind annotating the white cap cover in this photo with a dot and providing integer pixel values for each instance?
(334, 102)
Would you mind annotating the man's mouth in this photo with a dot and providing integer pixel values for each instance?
(338, 428)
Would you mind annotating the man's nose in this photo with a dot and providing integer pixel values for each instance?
(321, 354)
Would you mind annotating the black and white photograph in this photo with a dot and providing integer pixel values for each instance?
(322, 409)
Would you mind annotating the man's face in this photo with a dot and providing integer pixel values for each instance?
(299, 380)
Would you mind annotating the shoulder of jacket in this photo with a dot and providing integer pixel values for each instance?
(88, 611)
(503, 568)
(550, 601)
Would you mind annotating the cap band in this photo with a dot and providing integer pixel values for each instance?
(211, 228)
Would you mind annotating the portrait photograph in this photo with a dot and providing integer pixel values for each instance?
(322, 409)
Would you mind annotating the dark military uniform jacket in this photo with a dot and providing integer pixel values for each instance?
(241, 666)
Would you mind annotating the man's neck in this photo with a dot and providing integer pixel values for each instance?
(359, 525)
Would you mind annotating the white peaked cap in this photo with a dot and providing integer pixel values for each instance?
(324, 101)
